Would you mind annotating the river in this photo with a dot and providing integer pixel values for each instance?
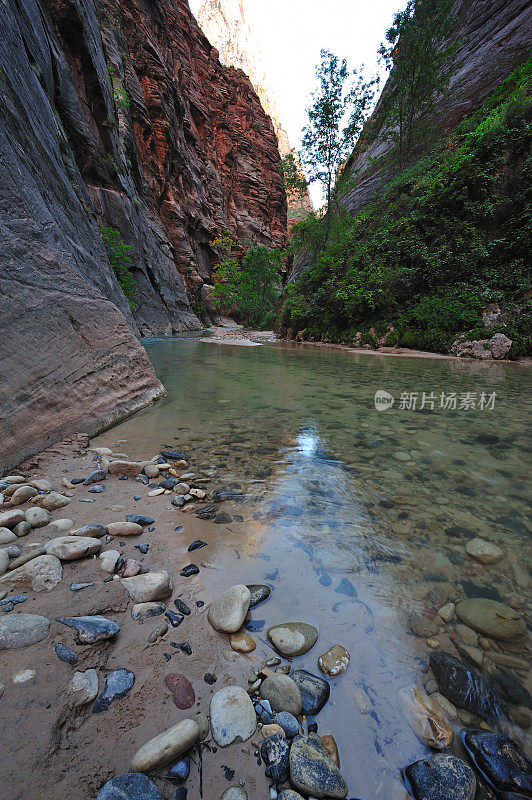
(357, 517)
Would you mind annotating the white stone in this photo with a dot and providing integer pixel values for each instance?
(42, 574)
(166, 747)
(37, 517)
(85, 686)
(108, 560)
(4, 561)
(8, 519)
(7, 536)
(151, 586)
(21, 630)
(484, 551)
(23, 494)
(232, 716)
(69, 548)
(51, 501)
(228, 612)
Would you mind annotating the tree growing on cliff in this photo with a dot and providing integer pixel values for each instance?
(422, 62)
(294, 182)
(341, 104)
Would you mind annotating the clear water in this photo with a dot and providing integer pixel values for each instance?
(335, 489)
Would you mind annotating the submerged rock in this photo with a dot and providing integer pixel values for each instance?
(22, 630)
(293, 638)
(491, 618)
(132, 786)
(441, 777)
(464, 687)
(232, 716)
(242, 642)
(501, 761)
(314, 691)
(425, 717)
(91, 629)
(313, 771)
(118, 684)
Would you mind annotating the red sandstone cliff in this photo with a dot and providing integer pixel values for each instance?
(113, 113)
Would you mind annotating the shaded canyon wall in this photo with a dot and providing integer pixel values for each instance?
(113, 114)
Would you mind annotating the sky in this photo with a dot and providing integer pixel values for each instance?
(291, 34)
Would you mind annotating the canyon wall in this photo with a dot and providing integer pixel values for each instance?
(225, 24)
(113, 114)
(494, 37)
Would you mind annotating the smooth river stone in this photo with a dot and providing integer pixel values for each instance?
(4, 560)
(282, 693)
(70, 548)
(228, 612)
(91, 629)
(181, 689)
(94, 531)
(108, 560)
(442, 777)
(42, 574)
(21, 630)
(51, 501)
(124, 529)
(313, 771)
(334, 661)
(315, 691)
(275, 751)
(425, 717)
(118, 684)
(242, 642)
(133, 786)
(460, 684)
(7, 536)
(23, 494)
(484, 551)
(166, 747)
(232, 716)
(8, 519)
(491, 618)
(148, 587)
(142, 611)
(259, 592)
(37, 517)
(293, 638)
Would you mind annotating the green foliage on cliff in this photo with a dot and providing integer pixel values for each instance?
(250, 284)
(119, 255)
(447, 237)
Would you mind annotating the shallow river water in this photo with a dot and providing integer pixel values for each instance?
(357, 517)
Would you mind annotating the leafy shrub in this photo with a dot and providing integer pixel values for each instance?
(119, 255)
(251, 284)
(448, 236)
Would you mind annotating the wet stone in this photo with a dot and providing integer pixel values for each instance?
(142, 611)
(292, 638)
(118, 684)
(196, 545)
(334, 661)
(174, 619)
(182, 607)
(501, 761)
(314, 691)
(222, 518)
(133, 786)
(491, 618)
(180, 771)
(181, 690)
(441, 777)
(228, 611)
(210, 678)
(282, 693)
(313, 771)
(140, 519)
(460, 684)
(91, 629)
(66, 654)
(421, 626)
(259, 592)
(188, 571)
(288, 723)
(166, 747)
(275, 752)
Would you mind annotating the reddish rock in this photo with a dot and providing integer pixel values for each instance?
(181, 689)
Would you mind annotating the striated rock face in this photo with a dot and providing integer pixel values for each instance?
(494, 37)
(113, 114)
(225, 24)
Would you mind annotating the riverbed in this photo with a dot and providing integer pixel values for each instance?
(358, 517)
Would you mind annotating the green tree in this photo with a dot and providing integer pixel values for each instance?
(251, 284)
(422, 62)
(294, 181)
(341, 104)
(119, 255)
